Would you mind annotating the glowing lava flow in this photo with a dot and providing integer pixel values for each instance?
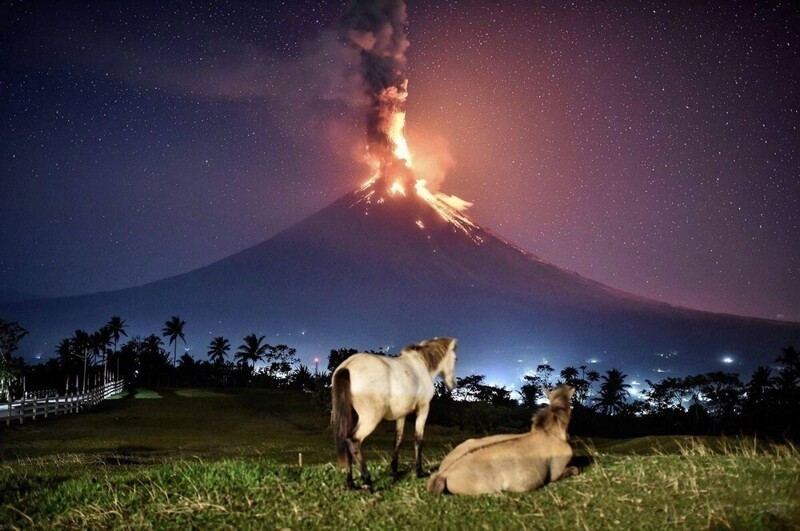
(398, 175)
(450, 208)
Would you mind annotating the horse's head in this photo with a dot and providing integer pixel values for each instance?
(554, 419)
(447, 367)
(561, 396)
(439, 356)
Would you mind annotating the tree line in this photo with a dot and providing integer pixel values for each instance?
(710, 403)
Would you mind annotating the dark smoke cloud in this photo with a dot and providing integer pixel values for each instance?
(377, 30)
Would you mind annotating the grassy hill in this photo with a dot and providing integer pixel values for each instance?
(178, 458)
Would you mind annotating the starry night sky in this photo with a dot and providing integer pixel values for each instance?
(652, 146)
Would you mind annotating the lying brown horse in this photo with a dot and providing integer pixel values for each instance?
(514, 463)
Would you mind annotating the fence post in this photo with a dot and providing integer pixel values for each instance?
(34, 407)
(22, 410)
(46, 403)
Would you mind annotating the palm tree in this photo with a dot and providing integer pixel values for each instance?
(790, 357)
(64, 352)
(570, 376)
(173, 329)
(99, 344)
(218, 350)
(152, 360)
(582, 389)
(116, 327)
(80, 347)
(153, 343)
(760, 383)
(251, 350)
(592, 377)
(613, 392)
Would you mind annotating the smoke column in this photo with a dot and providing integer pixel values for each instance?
(377, 30)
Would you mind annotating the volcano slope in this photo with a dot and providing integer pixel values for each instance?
(375, 270)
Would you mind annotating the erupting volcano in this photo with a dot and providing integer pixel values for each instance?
(377, 30)
(396, 261)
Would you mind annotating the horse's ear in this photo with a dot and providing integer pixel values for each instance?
(546, 392)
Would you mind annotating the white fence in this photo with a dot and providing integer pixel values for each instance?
(31, 407)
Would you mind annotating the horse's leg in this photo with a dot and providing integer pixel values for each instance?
(569, 471)
(559, 469)
(349, 483)
(398, 438)
(354, 446)
(366, 424)
(419, 431)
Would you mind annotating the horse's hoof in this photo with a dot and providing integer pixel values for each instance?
(421, 474)
(367, 488)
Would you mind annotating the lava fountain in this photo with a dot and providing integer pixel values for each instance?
(378, 30)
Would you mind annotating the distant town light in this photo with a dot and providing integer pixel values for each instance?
(727, 359)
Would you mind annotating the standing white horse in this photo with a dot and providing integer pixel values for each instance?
(368, 388)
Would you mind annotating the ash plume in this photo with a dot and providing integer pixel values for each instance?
(377, 30)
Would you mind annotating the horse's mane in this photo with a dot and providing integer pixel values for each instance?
(556, 415)
(432, 351)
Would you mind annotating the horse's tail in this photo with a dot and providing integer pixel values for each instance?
(437, 484)
(343, 416)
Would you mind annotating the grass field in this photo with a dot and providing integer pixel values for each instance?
(194, 458)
